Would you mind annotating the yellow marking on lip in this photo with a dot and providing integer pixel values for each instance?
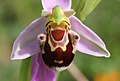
(59, 62)
(63, 47)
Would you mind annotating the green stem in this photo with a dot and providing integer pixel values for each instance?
(76, 73)
(25, 70)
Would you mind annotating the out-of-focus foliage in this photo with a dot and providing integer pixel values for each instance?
(84, 7)
(15, 15)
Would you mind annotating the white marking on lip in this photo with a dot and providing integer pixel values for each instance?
(56, 68)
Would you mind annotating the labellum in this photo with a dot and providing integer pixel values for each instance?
(58, 44)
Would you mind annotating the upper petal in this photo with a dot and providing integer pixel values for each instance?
(90, 43)
(49, 4)
(26, 44)
(40, 72)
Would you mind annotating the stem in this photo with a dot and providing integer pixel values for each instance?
(57, 74)
(76, 73)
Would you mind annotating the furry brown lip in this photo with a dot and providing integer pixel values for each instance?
(58, 34)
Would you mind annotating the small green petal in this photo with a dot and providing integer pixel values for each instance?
(69, 13)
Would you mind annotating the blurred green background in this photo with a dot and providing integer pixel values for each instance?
(15, 15)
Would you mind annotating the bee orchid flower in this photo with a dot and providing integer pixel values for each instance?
(52, 40)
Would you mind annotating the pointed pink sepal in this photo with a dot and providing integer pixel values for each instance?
(49, 4)
(90, 43)
(40, 72)
(26, 43)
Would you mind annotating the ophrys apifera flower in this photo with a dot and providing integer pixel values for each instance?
(52, 40)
